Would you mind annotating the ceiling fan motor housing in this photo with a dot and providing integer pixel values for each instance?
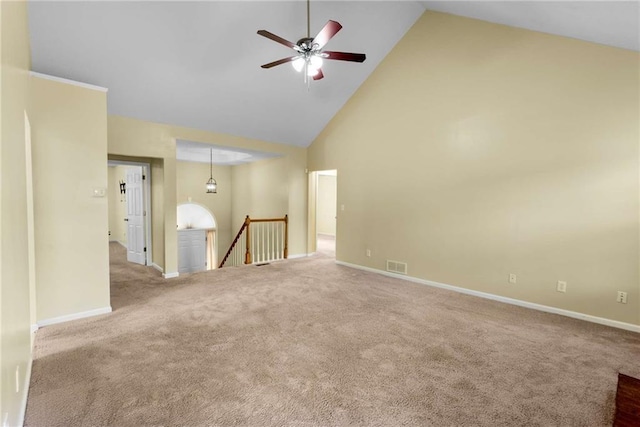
(306, 44)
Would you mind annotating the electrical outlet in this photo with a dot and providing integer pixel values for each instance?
(18, 379)
(368, 252)
(562, 286)
(622, 297)
(513, 278)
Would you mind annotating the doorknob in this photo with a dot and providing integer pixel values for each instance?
(126, 219)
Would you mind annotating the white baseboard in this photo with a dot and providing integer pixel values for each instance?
(25, 393)
(157, 267)
(74, 316)
(170, 275)
(513, 301)
(124, 245)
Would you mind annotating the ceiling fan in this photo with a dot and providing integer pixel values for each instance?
(309, 50)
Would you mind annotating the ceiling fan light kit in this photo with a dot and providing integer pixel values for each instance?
(310, 54)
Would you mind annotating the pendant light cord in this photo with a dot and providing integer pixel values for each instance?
(211, 163)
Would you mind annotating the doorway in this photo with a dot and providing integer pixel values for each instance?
(130, 209)
(323, 211)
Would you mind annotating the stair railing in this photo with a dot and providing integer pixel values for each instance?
(259, 241)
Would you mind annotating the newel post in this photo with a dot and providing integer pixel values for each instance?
(247, 255)
(286, 236)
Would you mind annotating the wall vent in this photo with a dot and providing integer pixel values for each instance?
(396, 267)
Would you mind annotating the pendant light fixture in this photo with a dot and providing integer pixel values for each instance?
(212, 186)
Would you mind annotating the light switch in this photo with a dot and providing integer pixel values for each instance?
(99, 192)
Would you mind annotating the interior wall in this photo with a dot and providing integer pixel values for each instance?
(69, 141)
(326, 204)
(272, 188)
(298, 201)
(312, 190)
(15, 341)
(477, 150)
(113, 201)
(137, 138)
(157, 212)
(117, 205)
(191, 179)
(260, 190)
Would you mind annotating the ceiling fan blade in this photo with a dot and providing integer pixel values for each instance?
(318, 75)
(278, 39)
(279, 61)
(344, 56)
(329, 30)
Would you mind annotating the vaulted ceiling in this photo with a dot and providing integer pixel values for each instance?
(197, 64)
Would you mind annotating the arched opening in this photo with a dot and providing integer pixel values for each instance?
(195, 223)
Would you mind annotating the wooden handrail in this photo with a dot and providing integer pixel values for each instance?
(247, 225)
(233, 244)
(271, 220)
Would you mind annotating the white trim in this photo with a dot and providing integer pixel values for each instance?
(69, 82)
(74, 316)
(34, 328)
(170, 275)
(157, 267)
(513, 301)
(122, 244)
(25, 393)
(298, 256)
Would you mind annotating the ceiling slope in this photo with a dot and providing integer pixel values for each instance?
(197, 64)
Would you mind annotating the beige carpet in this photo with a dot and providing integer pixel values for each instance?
(326, 245)
(305, 343)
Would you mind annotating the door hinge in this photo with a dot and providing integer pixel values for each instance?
(144, 213)
(144, 177)
(145, 249)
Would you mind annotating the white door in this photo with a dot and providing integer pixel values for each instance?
(135, 216)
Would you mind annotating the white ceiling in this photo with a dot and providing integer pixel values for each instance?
(614, 23)
(193, 151)
(197, 64)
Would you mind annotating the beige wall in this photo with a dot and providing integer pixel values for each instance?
(477, 150)
(69, 136)
(326, 205)
(15, 347)
(260, 190)
(137, 138)
(191, 179)
(270, 189)
(157, 212)
(117, 205)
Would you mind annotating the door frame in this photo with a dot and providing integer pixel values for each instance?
(312, 212)
(146, 196)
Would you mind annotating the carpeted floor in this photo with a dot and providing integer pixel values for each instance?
(306, 342)
(326, 245)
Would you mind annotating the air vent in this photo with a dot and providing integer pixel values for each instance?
(397, 267)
